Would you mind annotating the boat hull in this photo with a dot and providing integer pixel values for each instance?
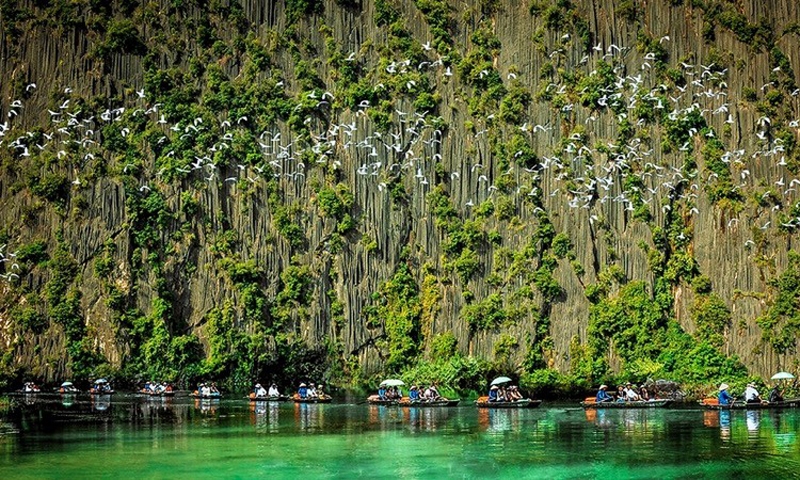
(791, 403)
(156, 394)
(325, 399)
(280, 398)
(628, 405)
(524, 403)
(378, 401)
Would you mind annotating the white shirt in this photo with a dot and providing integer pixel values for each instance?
(273, 392)
(260, 392)
(631, 395)
(750, 394)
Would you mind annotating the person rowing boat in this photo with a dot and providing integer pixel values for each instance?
(724, 397)
(602, 395)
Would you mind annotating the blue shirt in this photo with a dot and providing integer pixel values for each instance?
(725, 398)
(302, 391)
(413, 394)
(492, 395)
(602, 396)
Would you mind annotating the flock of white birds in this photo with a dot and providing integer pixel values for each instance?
(581, 167)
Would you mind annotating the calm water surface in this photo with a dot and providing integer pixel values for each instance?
(127, 436)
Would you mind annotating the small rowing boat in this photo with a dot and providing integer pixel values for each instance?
(323, 399)
(483, 402)
(273, 398)
(210, 396)
(713, 404)
(591, 403)
(377, 400)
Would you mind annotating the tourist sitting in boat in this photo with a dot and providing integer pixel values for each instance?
(621, 393)
(494, 394)
(430, 393)
(303, 390)
(644, 394)
(413, 394)
(751, 394)
(260, 391)
(602, 395)
(724, 397)
(513, 393)
(273, 391)
(312, 391)
(30, 387)
(775, 395)
(101, 387)
(382, 392)
(435, 392)
(208, 389)
(394, 393)
(630, 394)
(320, 392)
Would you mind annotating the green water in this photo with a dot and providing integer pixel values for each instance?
(136, 437)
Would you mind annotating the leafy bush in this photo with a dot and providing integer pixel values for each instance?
(487, 314)
(33, 253)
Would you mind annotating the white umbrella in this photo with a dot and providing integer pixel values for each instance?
(500, 380)
(101, 380)
(783, 376)
(66, 384)
(392, 382)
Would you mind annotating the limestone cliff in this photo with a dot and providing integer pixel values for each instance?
(184, 181)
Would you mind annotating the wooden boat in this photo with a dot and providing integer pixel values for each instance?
(29, 389)
(442, 402)
(483, 402)
(213, 396)
(591, 403)
(279, 398)
(323, 399)
(376, 400)
(713, 404)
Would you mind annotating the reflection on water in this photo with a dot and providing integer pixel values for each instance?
(101, 403)
(207, 406)
(425, 419)
(271, 439)
(725, 425)
(753, 422)
(503, 420)
(309, 416)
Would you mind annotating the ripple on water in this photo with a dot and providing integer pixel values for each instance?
(234, 439)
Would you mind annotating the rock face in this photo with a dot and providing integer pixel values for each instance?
(173, 170)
